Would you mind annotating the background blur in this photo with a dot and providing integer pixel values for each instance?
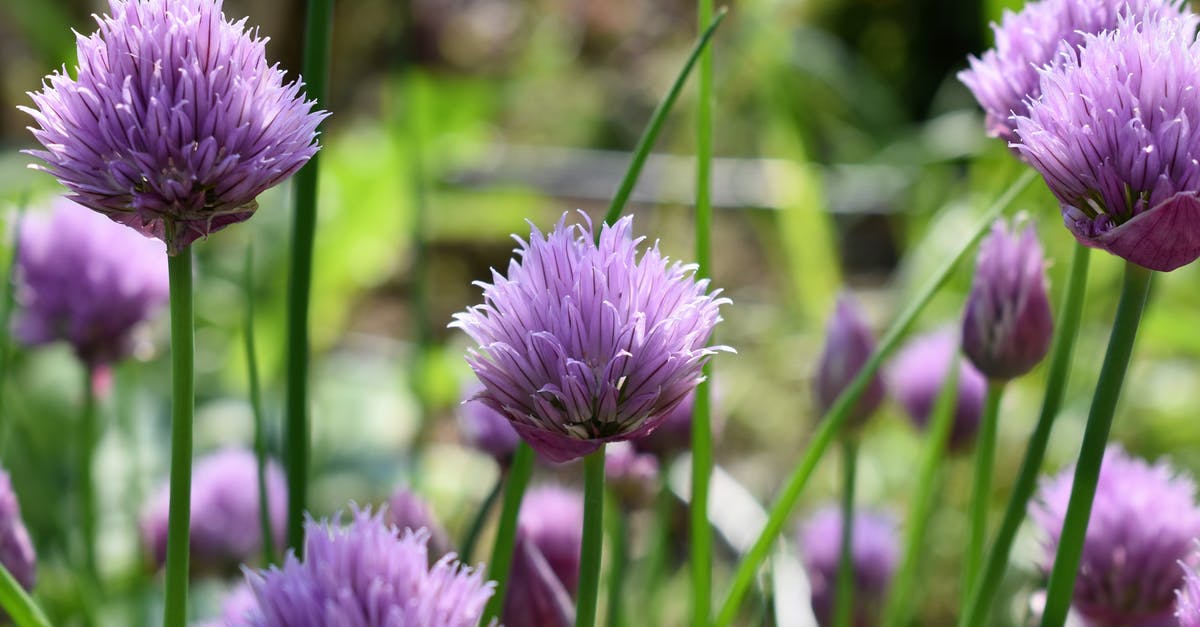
(849, 157)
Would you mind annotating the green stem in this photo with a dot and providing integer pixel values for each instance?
(652, 601)
(472, 537)
(1095, 437)
(17, 603)
(260, 431)
(87, 488)
(179, 271)
(618, 537)
(7, 302)
(1056, 384)
(650, 135)
(318, 21)
(981, 490)
(843, 613)
(506, 534)
(899, 602)
(590, 551)
(832, 422)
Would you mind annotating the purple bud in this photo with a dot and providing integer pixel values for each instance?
(406, 510)
(16, 549)
(551, 519)
(916, 377)
(226, 530)
(83, 279)
(486, 430)
(175, 122)
(1007, 325)
(631, 475)
(366, 573)
(873, 552)
(1114, 138)
(536, 597)
(584, 343)
(1143, 524)
(849, 344)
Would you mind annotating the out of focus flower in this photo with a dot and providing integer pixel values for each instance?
(226, 529)
(487, 430)
(1113, 136)
(83, 279)
(874, 553)
(585, 343)
(366, 573)
(1005, 79)
(174, 123)
(674, 434)
(406, 510)
(1008, 325)
(237, 604)
(631, 475)
(1187, 601)
(545, 571)
(1143, 524)
(16, 549)
(916, 377)
(849, 343)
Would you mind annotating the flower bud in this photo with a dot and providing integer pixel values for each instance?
(849, 344)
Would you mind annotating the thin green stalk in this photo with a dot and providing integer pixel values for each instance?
(981, 490)
(6, 307)
(1056, 383)
(899, 602)
(179, 272)
(472, 537)
(660, 545)
(87, 488)
(318, 22)
(1095, 438)
(17, 603)
(618, 539)
(832, 422)
(587, 595)
(650, 135)
(843, 609)
(260, 429)
(506, 534)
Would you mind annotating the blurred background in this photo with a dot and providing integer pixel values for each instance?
(849, 157)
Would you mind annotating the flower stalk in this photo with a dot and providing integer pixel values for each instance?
(179, 268)
(985, 459)
(843, 612)
(592, 548)
(506, 534)
(260, 430)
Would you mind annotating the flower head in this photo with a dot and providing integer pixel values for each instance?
(226, 529)
(1005, 79)
(916, 377)
(874, 553)
(366, 574)
(584, 342)
(174, 123)
(16, 549)
(406, 510)
(631, 475)
(849, 344)
(1007, 325)
(487, 430)
(1143, 524)
(1115, 137)
(83, 279)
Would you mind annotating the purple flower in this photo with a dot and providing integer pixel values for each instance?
(406, 510)
(83, 279)
(873, 553)
(237, 605)
(631, 475)
(174, 122)
(1187, 597)
(226, 529)
(585, 343)
(674, 434)
(849, 343)
(1115, 138)
(916, 377)
(16, 549)
(487, 430)
(1005, 80)
(1007, 325)
(366, 574)
(536, 597)
(551, 518)
(1144, 522)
